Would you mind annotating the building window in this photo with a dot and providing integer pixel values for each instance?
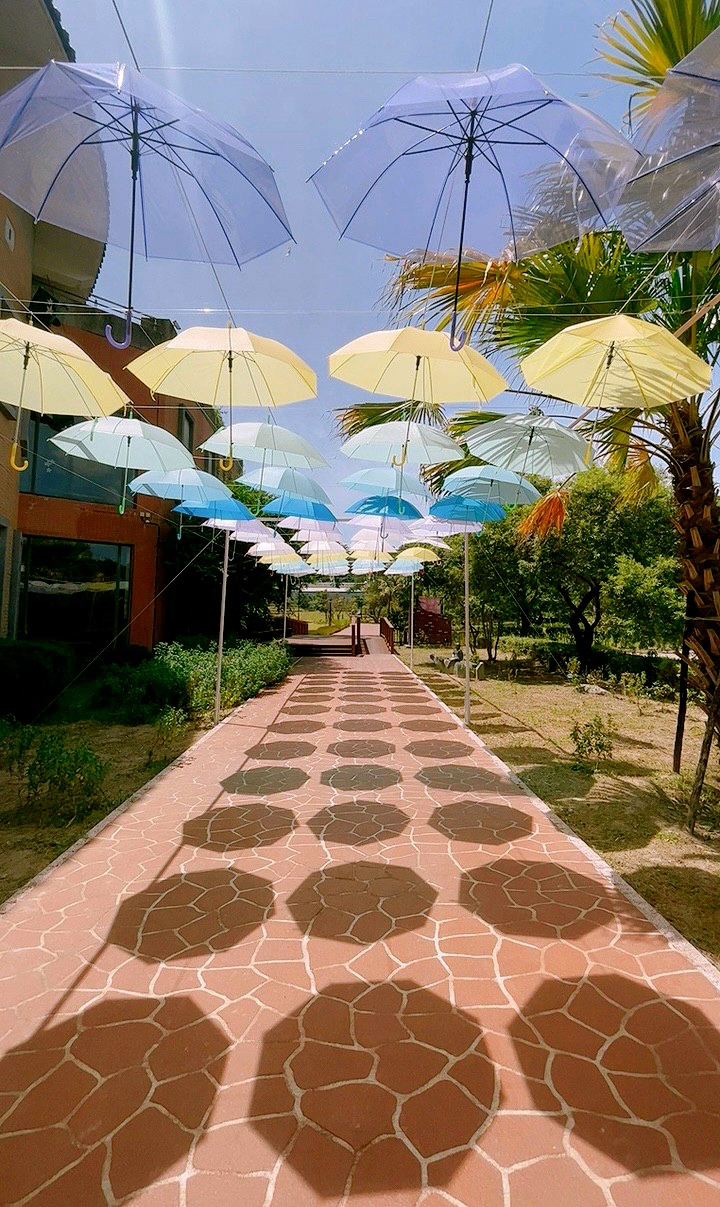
(186, 432)
(52, 472)
(76, 591)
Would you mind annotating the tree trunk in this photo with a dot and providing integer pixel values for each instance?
(682, 689)
(697, 521)
(582, 629)
(696, 793)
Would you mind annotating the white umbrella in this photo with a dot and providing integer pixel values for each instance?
(265, 442)
(298, 523)
(530, 444)
(261, 548)
(323, 546)
(272, 478)
(403, 442)
(491, 484)
(242, 530)
(383, 477)
(123, 443)
(190, 485)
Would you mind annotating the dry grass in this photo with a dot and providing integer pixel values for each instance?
(26, 847)
(630, 811)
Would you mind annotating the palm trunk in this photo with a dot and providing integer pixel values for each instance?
(697, 520)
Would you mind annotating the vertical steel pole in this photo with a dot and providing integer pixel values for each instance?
(221, 632)
(467, 632)
(287, 580)
(412, 617)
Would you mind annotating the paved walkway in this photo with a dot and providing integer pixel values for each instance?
(336, 955)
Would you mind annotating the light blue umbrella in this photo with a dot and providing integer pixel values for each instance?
(278, 480)
(102, 150)
(189, 485)
(291, 505)
(460, 509)
(217, 509)
(393, 506)
(383, 477)
(491, 484)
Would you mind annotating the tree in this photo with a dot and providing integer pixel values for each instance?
(643, 606)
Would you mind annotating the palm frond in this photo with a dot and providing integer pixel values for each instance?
(641, 44)
(545, 517)
(640, 480)
(351, 420)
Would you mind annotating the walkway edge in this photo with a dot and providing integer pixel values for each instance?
(669, 932)
(99, 826)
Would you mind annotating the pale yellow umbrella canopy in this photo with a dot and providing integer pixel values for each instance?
(614, 362)
(412, 363)
(418, 553)
(47, 373)
(226, 367)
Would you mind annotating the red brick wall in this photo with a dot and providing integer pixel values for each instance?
(40, 516)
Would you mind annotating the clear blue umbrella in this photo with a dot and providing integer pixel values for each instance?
(292, 505)
(385, 505)
(102, 150)
(493, 160)
(491, 484)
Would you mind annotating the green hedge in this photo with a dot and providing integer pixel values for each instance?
(183, 678)
(556, 655)
(32, 674)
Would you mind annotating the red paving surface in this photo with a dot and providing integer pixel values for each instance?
(336, 955)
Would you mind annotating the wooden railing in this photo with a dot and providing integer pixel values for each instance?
(296, 628)
(387, 632)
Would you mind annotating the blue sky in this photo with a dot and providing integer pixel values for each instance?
(297, 77)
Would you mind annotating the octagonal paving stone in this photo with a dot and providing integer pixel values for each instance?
(474, 1013)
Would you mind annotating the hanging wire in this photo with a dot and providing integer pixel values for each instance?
(485, 33)
(126, 35)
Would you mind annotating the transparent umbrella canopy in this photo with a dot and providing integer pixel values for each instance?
(402, 442)
(276, 479)
(671, 201)
(102, 150)
(383, 477)
(190, 485)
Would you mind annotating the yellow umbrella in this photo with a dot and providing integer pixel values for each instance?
(362, 553)
(44, 372)
(416, 364)
(618, 361)
(418, 553)
(226, 367)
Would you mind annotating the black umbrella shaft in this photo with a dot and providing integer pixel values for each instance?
(469, 154)
(135, 164)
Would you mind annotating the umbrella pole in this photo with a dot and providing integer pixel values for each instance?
(135, 166)
(412, 617)
(19, 466)
(457, 342)
(466, 715)
(287, 580)
(221, 630)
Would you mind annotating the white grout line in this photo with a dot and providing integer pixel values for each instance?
(87, 837)
(661, 924)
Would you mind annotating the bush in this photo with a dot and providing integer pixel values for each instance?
(63, 782)
(607, 665)
(593, 741)
(183, 679)
(32, 674)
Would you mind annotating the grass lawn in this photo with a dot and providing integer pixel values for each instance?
(27, 845)
(630, 811)
(317, 622)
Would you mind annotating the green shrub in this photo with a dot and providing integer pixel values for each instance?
(183, 678)
(169, 729)
(64, 782)
(593, 741)
(32, 674)
(16, 742)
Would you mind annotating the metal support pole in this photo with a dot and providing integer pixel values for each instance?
(467, 632)
(221, 632)
(287, 580)
(412, 617)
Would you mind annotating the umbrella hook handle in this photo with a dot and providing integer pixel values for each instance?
(457, 341)
(125, 341)
(225, 463)
(398, 462)
(18, 466)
